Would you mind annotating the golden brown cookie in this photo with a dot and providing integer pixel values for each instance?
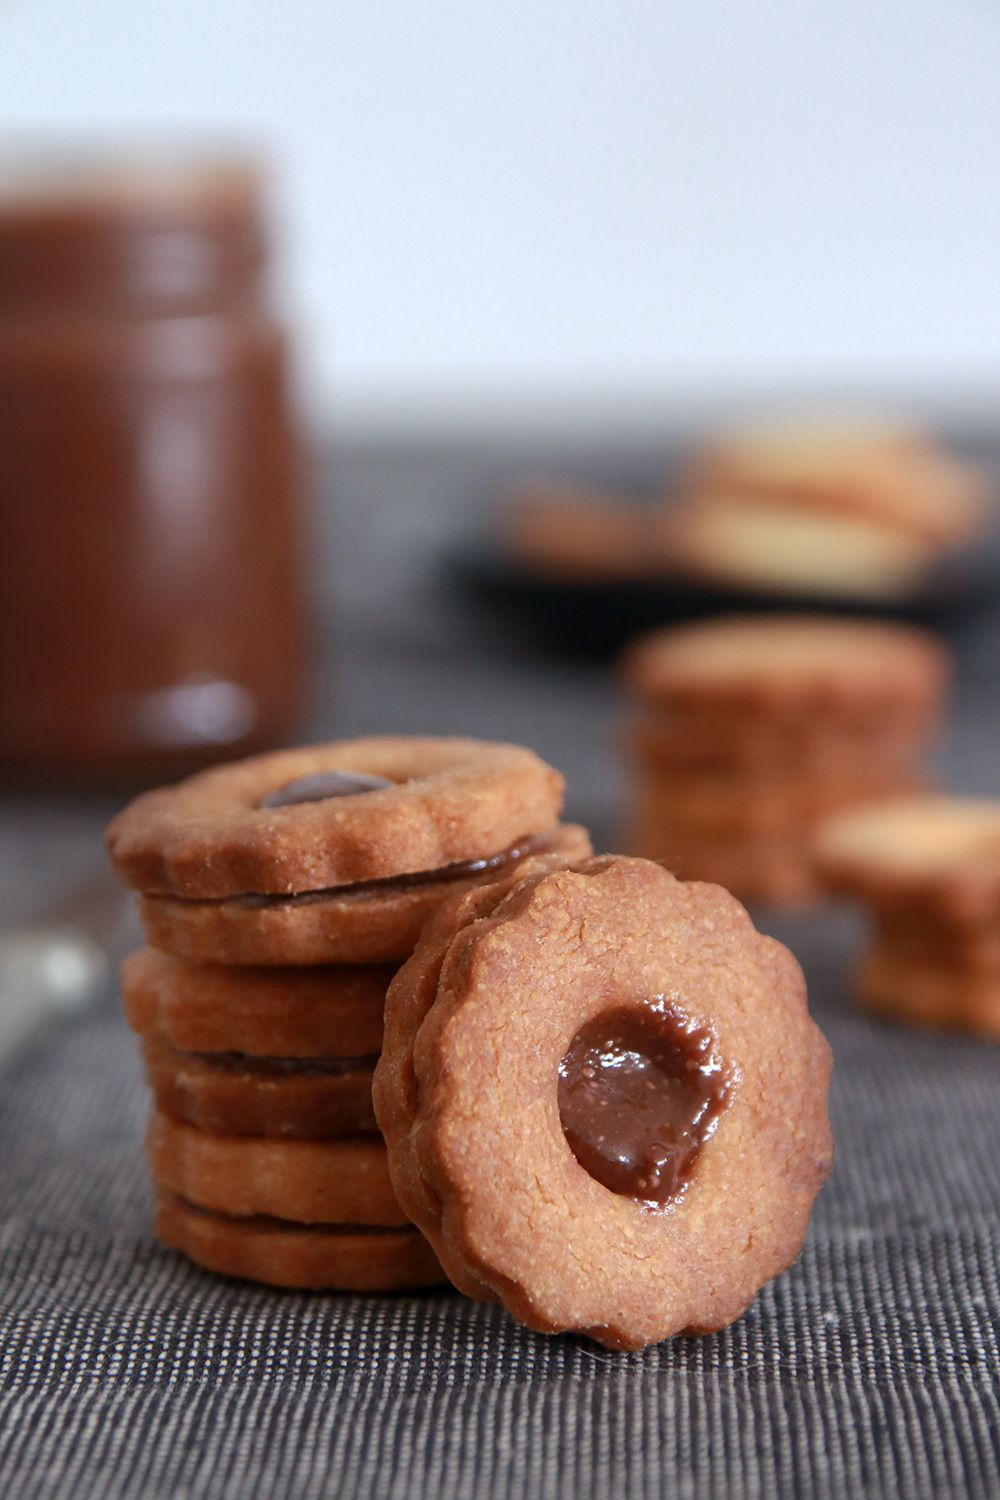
(919, 937)
(337, 1257)
(774, 871)
(788, 666)
(333, 815)
(930, 870)
(566, 531)
(365, 923)
(337, 1181)
(325, 1011)
(604, 1100)
(935, 855)
(924, 994)
(707, 803)
(737, 741)
(233, 1093)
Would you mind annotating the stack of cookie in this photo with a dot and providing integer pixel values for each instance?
(747, 733)
(278, 896)
(929, 870)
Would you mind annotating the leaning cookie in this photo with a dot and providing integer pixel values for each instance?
(396, 1085)
(604, 1101)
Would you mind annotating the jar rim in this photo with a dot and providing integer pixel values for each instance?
(50, 185)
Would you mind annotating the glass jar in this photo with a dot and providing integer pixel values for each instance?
(150, 475)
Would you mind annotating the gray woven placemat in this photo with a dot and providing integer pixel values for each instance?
(870, 1368)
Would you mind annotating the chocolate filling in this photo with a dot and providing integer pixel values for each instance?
(268, 1221)
(465, 869)
(323, 785)
(285, 1067)
(640, 1091)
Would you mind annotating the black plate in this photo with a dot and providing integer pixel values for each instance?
(597, 618)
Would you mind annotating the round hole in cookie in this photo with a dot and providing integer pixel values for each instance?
(322, 785)
(640, 1090)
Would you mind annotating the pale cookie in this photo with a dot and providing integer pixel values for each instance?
(779, 547)
(892, 477)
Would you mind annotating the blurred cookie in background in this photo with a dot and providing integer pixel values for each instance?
(746, 733)
(572, 531)
(834, 516)
(853, 511)
(892, 475)
(928, 869)
(779, 546)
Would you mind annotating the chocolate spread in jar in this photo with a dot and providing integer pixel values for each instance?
(150, 477)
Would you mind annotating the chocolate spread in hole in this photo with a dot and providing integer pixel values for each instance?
(640, 1091)
(323, 785)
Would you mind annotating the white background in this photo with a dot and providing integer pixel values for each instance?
(518, 207)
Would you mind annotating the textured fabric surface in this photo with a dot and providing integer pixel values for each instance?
(871, 1368)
